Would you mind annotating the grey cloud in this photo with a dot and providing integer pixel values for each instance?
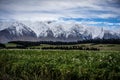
(55, 9)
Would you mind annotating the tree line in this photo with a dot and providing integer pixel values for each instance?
(25, 44)
(71, 48)
(97, 41)
(101, 41)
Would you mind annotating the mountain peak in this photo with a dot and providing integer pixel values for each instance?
(56, 31)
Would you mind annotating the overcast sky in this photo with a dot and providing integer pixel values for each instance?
(91, 12)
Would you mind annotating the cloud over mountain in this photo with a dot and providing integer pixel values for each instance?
(100, 13)
(54, 9)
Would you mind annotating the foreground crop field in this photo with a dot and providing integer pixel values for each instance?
(59, 65)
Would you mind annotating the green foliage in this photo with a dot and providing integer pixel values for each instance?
(59, 65)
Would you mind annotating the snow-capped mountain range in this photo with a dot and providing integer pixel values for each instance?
(52, 31)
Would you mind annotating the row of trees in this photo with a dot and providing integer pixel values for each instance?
(25, 44)
(103, 41)
(70, 48)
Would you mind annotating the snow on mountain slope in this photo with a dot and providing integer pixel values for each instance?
(63, 29)
(60, 29)
(54, 30)
(16, 31)
(76, 29)
(111, 35)
(39, 28)
(96, 32)
(18, 28)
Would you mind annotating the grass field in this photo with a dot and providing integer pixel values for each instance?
(23, 64)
